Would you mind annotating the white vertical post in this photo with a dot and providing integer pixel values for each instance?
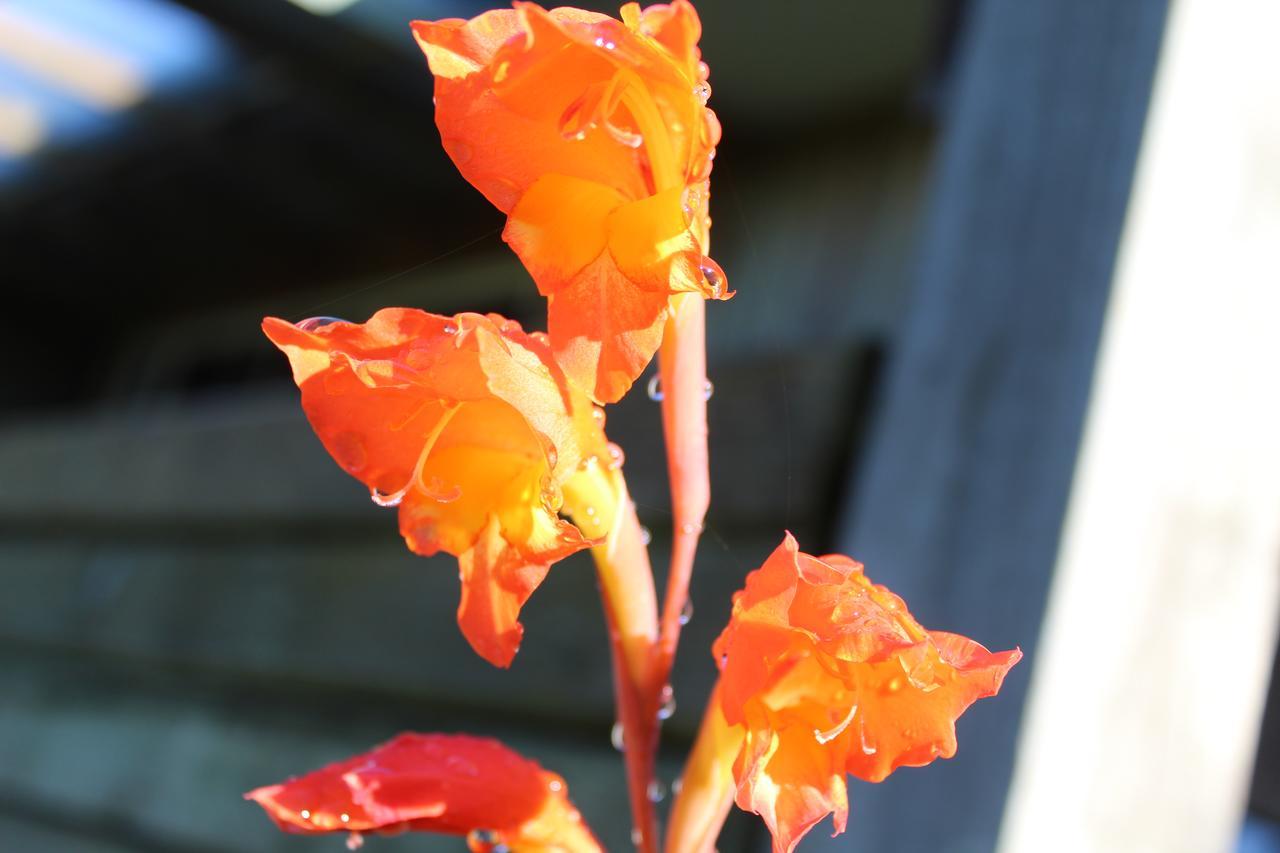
(1157, 643)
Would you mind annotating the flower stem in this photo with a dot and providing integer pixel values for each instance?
(706, 789)
(600, 505)
(682, 367)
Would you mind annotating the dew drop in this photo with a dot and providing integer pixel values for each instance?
(636, 836)
(690, 528)
(668, 708)
(686, 614)
(707, 389)
(677, 785)
(483, 839)
(867, 749)
(312, 323)
(591, 512)
(703, 92)
(458, 151)
(616, 457)
(305, 814)
(344, 817)
(655, 388)
(656, 792)
(450, 329)
(645, 536)
(387, 499)
(552, 457)
(555, 786)
(598, 414)
(713, 276)
(617, 737)
(601, 41)
(355, 841)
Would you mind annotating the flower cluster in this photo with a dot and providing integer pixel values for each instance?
(593, 136)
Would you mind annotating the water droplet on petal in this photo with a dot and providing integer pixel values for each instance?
(636, 836)
(483, 839)
(656, 792)
(387, 499)
(655, 388)
(713, 276)
(355, 841)
(690, 528)
(555, 786)
(450, 329)
(344, 817)
(616, 457)
(551, 495)
(312, 323)
(686, 614)
(552, 457)
(867, 749)
(645, 536)
(707, 389)
(677, 785)
(668, 699)
(305, 814)
(458, 151)
(617, 737)
(703, 92)
(598, 414)
(601, 41)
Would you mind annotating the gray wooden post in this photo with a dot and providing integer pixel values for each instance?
(959, 500)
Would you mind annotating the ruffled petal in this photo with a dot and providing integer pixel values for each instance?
(789, 779)
(909, 703)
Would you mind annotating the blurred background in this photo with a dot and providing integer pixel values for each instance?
(921, 205)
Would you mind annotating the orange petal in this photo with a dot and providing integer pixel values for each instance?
(451, 784)
(909, 704)
(501, 125)
(559, 227)
(791, 780)
(496, 582)
(648, 237)
(455, 47)
(676, 27)
(605, 329)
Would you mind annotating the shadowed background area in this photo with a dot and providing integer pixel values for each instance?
(197, 601)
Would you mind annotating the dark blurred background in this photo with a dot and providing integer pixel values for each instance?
(194, 600)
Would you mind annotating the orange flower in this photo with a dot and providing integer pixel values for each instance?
(593, 135)
(469, 427)
(828, 673)
(452, 784)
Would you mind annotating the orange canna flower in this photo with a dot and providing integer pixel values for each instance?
(827, 674)
(593, 136)
(467, 425)
(451, 784)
